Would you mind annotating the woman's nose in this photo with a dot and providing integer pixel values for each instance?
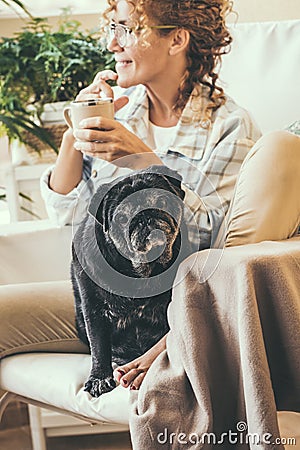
(113, 46)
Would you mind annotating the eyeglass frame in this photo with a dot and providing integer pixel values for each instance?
(119, 26)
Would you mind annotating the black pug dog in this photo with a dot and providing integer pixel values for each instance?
(125, 255)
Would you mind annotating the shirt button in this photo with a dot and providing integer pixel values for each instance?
(94, 173)
(205, 123)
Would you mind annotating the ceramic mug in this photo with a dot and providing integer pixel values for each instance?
(83, 109)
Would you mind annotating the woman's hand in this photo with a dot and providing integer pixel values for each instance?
(99, 88)
(109, 140)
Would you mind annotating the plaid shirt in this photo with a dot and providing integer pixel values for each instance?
(207, 150)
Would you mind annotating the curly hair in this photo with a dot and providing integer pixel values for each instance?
(209, 38)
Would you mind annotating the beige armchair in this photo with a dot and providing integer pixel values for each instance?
(38, 262)
(52, 383)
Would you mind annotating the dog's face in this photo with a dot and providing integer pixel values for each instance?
(141, 215)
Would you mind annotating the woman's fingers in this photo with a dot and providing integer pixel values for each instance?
(93, 139)
(100, 88)
(99, 122)
(92, 147)
(99, 84)
(105, 88)
(89, 135)
(136, 383)
(106, 75)
(96, 88)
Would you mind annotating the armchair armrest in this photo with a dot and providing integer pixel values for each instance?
(34, 252)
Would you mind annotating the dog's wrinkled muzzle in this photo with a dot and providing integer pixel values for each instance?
(151, 240)
(156, 238)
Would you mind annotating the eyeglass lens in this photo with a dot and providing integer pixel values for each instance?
(121, 33)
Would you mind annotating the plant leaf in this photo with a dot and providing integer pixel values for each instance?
(16, 122)
(26, 197)
(18, 3)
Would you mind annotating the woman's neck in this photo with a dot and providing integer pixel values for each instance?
(163, 90)
(162, 99)
(161, 111)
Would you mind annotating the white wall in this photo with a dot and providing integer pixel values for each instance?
(9, 26)
(264, 10)
(248, 11)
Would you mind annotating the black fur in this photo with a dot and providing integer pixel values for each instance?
(120, 327)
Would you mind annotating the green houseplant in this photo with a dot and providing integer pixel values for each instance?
(13, 3)
(38, 66)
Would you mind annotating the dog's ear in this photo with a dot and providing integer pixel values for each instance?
(175, 186)
(173, 178)
(97, 205)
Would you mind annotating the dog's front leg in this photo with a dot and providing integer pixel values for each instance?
(100, 380)
(96, 328)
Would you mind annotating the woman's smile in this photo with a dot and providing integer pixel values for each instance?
(122, 64)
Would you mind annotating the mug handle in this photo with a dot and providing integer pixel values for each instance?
(67, 116)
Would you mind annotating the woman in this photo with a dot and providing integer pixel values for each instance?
(168, 55)
(172, 112)
(175, 115)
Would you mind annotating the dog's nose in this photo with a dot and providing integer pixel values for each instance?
(155, 245)
(156, 238)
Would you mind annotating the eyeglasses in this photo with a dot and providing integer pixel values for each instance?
(124, 35)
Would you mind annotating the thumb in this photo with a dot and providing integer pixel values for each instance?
(120, 102)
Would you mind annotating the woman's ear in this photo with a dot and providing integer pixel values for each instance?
(180, 41)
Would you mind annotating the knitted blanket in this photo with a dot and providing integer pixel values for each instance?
(233, 353)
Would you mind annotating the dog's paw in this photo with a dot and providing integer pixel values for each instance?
(97, 386)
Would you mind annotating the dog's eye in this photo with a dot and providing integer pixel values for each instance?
(121, 218)
(161, 203)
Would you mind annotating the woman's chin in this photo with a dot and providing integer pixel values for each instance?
(124, 83)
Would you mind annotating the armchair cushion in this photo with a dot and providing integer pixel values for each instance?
(34, 252)
(261, 71)
(57, 379)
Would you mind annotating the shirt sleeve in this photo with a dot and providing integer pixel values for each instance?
(71, 208)
(209, 197)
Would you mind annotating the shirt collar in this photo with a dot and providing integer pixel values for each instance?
(192, 128)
